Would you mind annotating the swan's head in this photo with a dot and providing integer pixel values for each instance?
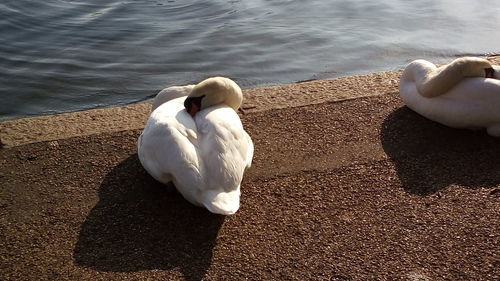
(213, 91)
(475, 67)
(493, 72)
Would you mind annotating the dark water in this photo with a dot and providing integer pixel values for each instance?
(58, 56)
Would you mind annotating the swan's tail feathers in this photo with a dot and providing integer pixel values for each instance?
(171, 93)
(494, 130)
(223, 203)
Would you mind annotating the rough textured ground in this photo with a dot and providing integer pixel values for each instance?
(362, 189)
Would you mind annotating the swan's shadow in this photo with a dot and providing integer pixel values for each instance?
(139, 225)
(429, 156)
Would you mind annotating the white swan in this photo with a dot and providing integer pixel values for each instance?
(197, 141)
(462, 94)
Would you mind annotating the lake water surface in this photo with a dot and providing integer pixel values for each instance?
(63, 55)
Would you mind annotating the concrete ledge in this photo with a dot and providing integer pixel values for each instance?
(113, 119)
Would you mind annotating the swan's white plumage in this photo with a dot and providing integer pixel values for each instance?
(205, 156)
(470, 102)
(171, 93)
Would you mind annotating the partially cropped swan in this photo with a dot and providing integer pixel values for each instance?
(462, 94)
(195, 139)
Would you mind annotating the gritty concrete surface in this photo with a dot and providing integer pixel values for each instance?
(115, 119)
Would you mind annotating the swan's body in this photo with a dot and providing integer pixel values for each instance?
(457, 95)
(206, 155)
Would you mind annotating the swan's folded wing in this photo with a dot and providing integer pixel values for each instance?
(167, 147)
(225, 147)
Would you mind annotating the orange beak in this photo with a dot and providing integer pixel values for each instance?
(193, 104)
(490, 72)
(193, 109)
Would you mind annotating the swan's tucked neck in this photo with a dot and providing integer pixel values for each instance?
(432, 81)
(218, 90)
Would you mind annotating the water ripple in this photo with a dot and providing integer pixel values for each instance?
(58, 55)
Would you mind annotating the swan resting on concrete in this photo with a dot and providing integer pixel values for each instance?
(462, 94)
(195, 139)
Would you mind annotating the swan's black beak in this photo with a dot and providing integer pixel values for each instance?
(193, 104)
(489, 72)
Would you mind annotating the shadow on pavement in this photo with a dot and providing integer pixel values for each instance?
(139, 224)
(429, 156)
